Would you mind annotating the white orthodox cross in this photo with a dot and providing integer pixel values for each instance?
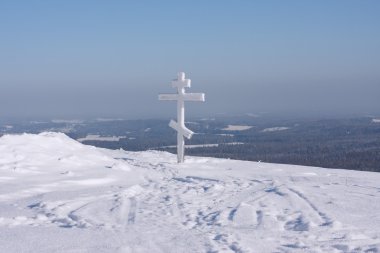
(181, 83)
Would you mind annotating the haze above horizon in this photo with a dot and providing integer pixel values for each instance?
(111, 59)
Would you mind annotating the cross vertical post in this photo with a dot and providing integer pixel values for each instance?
(181, 83)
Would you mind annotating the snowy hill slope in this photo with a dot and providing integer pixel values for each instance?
(57, 195)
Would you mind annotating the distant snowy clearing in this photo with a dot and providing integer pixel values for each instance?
(274, 129)
(229, 135)
(95, 137)
(236, 128)
(206, 145)
(376, 120)
(58, 195)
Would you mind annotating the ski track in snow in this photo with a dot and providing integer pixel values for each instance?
(205, 205)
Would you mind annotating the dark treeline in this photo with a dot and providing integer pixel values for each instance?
(332, 143)
(348, 144)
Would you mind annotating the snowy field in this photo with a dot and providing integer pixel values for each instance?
(205, 145)
(58, 195)
(236, 128)
(274, 129)
(96, 137)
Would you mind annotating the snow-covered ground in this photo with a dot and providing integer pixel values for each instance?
(205, 145)
(236, 128)
(274, 129)
(58, 195)
(96, 137)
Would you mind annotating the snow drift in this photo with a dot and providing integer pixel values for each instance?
(58, 195)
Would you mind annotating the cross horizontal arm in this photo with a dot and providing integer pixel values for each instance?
(194, 97)
(168, 97)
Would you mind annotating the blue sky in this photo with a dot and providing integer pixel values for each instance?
(111, 58)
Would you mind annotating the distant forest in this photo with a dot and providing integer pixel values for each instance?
(348, 144)
(332, 143)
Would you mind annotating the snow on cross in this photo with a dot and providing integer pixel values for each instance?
(182, 131)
